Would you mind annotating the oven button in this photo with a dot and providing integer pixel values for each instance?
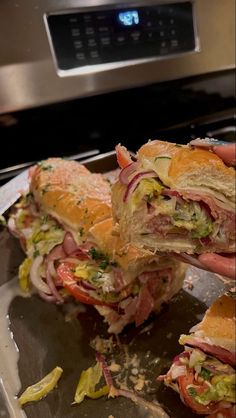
(92, 43)
(80, 57)
(162, 34)
(73, 20)
(174, 43)
(163, 44)
(78, 44)
(135, 36)
(120, 39)
(87, 18)
(105, 40)
(75, 32)
(94, 54)
(101, 18)
(150, 35)
(94, 57)
(103, 29)
(89, 30)
(149, 23)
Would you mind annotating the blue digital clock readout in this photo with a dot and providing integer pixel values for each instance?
(129, 18)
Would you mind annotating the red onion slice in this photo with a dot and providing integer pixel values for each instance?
(56, 253)
(135, 181)
(80, 254)
(35, 277)
(52, 286)
(46, 297)
(87, 285)
(126, 173)
(106, 372)
(173, 193)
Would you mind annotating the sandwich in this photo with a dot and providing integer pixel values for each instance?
(204, 373)
(175, 198)
(65, 227)
(136, 281)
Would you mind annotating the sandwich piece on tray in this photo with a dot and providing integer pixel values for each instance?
(175, 198)
(65, 227)
(204, 373)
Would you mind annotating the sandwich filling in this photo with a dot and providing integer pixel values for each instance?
(203, 377)
(60, 264)
(187, 220)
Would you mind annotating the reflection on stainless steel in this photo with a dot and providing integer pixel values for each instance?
(28, 77)
(223, 131)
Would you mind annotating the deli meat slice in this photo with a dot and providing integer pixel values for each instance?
(145, 305)
(217, 211)
(220, 353)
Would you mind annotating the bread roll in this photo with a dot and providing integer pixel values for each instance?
(68, 191)
(219, 324)
(182, 200)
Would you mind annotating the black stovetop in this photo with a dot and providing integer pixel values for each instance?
(175, 111)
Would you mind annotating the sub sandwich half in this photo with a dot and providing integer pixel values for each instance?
(204, 373)
(66, 230)
(175, 198)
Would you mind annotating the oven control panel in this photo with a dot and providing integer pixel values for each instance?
(109, 36)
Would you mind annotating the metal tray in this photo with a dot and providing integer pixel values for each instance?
(45, 339)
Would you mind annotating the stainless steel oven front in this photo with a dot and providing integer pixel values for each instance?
(58, 50)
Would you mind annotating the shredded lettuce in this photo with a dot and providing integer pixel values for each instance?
(2, 220)
(146, 189)
(222, 388)
(42, 233)
(87, 384)
(44, 241)
(193, 218)
(196, 357)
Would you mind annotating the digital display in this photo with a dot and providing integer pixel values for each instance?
(129, 18)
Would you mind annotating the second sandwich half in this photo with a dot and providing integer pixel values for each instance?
(65, 228)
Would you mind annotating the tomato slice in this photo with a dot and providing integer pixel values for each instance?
(183, 382)
(123, 156)
(225, 413)
(65, 273)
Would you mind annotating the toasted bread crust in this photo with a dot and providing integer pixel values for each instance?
(157, 148)
(194, 160)
(219, 320)
(70, 193)
(185, 160)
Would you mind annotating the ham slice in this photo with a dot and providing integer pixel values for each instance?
(220, 353)
(145, 305)
(69, 244)
(228, 217)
